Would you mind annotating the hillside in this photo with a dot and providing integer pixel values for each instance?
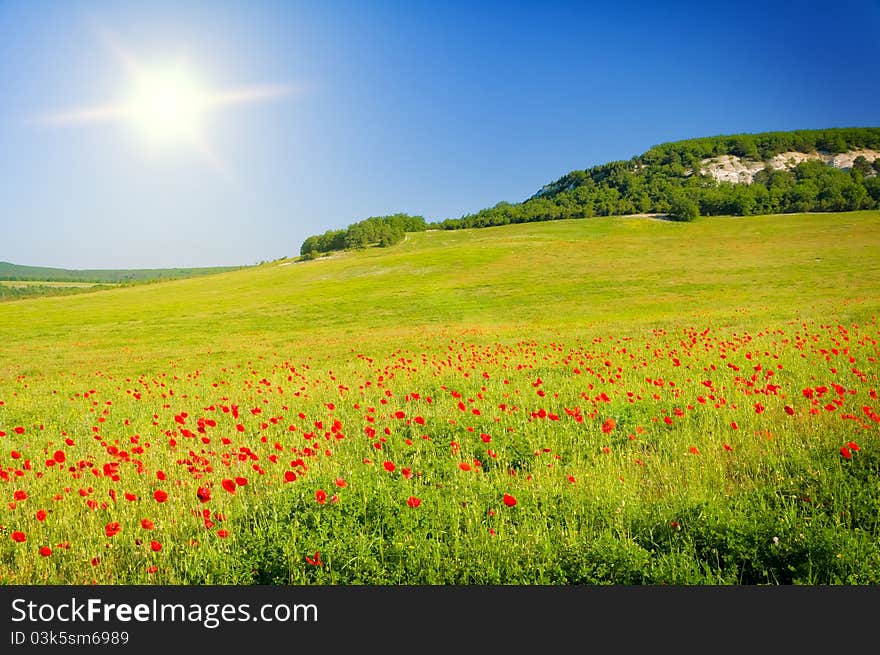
(622, 400)
(739, 175)
(523, 278)
(829, 170)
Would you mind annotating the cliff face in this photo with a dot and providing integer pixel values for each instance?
(730, 168)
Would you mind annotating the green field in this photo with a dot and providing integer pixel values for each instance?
(686, 403)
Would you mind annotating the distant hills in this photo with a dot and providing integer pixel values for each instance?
(830, 170)
(10, 271)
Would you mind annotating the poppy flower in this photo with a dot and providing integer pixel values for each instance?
(147, 524)
(389, 466)
(693, 450)
(316, 560)
(229, 485)
(20, 495)
(509, 500)
(412, 501)
(45, 551)
(845, 452)
(203, 494)
(160, 496)
(112, 529)
(155, 546)
(321, 496)
(223, 533)
(608, 426)
(289, 476)
(19, 537)
(41, 515)
(852, 445)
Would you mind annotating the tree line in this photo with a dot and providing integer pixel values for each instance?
(382, 231)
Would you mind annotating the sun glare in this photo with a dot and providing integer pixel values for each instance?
(167, 106)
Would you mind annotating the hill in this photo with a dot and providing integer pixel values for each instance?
(17, 281)
(525, 278)
(742, 174)
(621, 400)
(9, 271)
(739, 175)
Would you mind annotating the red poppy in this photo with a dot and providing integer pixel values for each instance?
(160, 496)
(223, 533)
(45, 551)
(464, 466)
(608, 426)
(18, 430)
(693, 450)
(852, 445)
(341, 483)
(321, 496)
(19, 537)
(845, 452)
(289, 476)
(229, 485)
(112, 529)
(147, 524)
(509, 500)
(789, 410)
(412, 501)
(389, 466)
(203, 494)
(41, 515)
(734, 425)
(727, 447)
(59, 456)
(155, 546)
(20, 495)
(316, 560)
(240, 481)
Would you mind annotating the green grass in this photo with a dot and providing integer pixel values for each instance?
(514, 333)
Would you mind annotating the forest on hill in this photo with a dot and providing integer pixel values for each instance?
(667, 179)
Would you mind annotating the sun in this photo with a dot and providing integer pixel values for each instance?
(167, 106)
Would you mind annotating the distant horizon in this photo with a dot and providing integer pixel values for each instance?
(290, 119)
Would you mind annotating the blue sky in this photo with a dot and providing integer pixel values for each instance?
(431, 108)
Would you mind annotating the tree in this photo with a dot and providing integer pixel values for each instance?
(683, 208)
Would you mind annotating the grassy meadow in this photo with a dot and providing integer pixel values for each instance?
(612, 400)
